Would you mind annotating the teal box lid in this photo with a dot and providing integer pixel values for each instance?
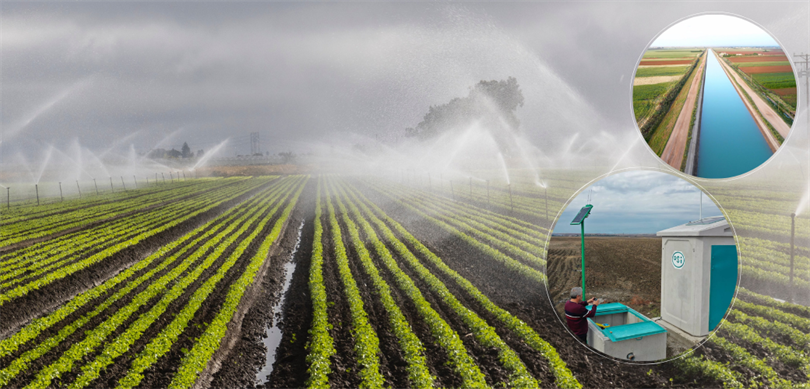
(633, 331)
(609, 308)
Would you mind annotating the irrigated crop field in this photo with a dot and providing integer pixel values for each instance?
(768, 72)
(660, 87)
(398, 282)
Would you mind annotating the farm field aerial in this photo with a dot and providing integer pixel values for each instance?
(393, 284)
(769, 73)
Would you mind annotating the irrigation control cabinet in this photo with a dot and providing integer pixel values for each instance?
(698, 274)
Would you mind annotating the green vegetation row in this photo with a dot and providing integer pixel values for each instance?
(483, 332)
(97, 336)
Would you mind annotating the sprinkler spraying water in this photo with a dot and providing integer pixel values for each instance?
(79, 189)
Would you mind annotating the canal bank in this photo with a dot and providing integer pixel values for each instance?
(760, 121)
(694, 144)
(730, 141)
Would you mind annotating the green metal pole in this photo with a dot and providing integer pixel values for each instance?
(582, 236)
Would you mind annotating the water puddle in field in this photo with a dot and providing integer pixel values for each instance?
(273, 338)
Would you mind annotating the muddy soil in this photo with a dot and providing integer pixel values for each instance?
(618, 269)
(248, 355)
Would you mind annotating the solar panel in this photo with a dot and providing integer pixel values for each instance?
(583, 213)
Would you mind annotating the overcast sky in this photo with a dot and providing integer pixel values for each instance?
(102, 74)
(714, 30)
(637, 202)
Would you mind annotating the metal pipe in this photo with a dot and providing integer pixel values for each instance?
(96, 185)
(792, 235)
(61, 198)
(111, 186)
(79, 188)
(545, 189)
(123, 184)
(582, 237)
(36, 187)
(136, 181)
(8, 198)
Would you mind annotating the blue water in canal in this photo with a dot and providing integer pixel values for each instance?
(730, 141)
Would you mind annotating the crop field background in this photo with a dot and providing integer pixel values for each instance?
(400, 281)
(770, 73)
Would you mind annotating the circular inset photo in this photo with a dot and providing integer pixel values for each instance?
(660, 266)
(714, 96)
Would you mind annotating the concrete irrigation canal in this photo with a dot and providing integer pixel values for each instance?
(731, 143)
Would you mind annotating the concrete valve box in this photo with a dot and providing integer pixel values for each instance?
(627, 334)
(698, 274)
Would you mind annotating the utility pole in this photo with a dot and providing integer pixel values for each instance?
(254, 143)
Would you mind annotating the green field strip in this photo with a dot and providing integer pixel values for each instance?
(481, 330)
(412, 348)
(321, 346)
(50, 225)
(563, 376)
(763, 63)
(743, 358)
(366, 342)
(759, 299)
(463, 230)
(30, 212)
(66, 271)
(490, 219)
(661, 71)
(784, 354)
(660, 135)
(11, 344)
(51, 264)
(168, 336)
(700, 366)
(155, 288)
(798, 339)
(794, 321)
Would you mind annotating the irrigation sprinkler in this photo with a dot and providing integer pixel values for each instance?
(792, 235)
(580, 219)
(96, 185)
(123, 184)
(136, 181)
(488, 203)
(545, 190)
(156, 180)
(112, 188)
(184, 176)
(511, 204)
(79, 188)
(61, 198)
(8, 198)
(36, 187)
(162, 175)
(171, 176)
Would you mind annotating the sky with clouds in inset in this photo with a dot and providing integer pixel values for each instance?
(637, 202)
